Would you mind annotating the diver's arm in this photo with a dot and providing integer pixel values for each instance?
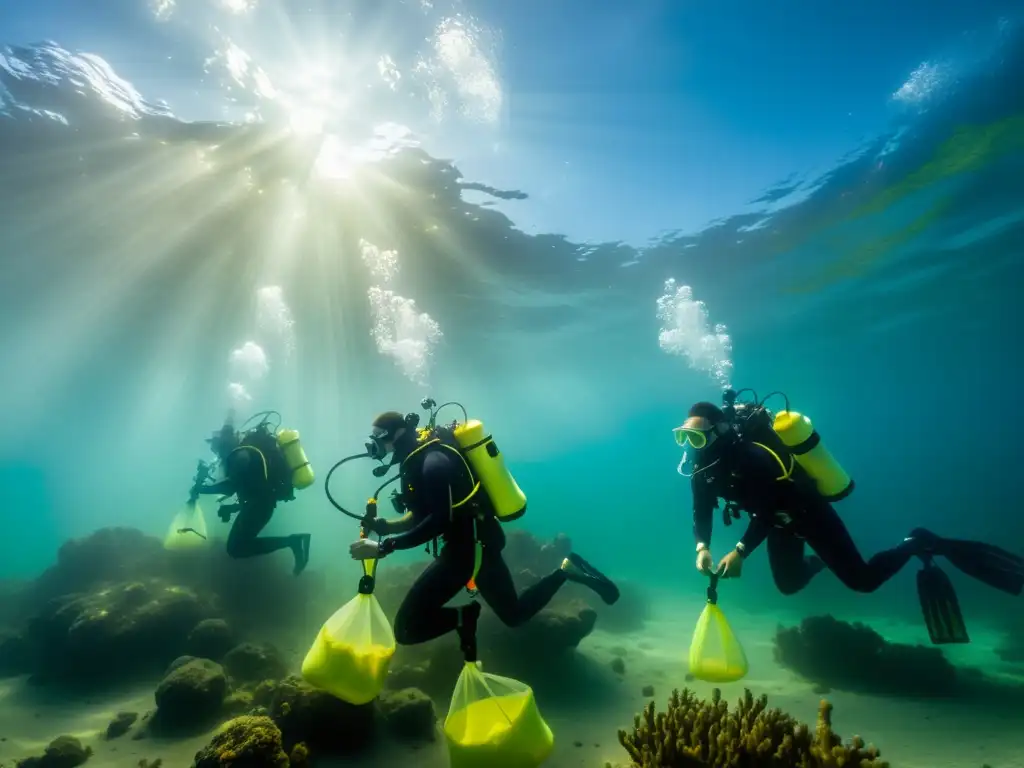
(401, 524)
(224, 488)
(703, 513)
(754, 536)
(435, 495)
(236, 469)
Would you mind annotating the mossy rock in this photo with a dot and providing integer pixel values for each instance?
(245, 742)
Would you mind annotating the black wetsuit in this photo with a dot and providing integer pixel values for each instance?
(256, 503)
(789, 513)
(435, 480)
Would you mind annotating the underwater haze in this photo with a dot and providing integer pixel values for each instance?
(576, 219)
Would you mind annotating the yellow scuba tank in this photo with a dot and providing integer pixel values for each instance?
(804, 442)
(295, 456)
(488, 464)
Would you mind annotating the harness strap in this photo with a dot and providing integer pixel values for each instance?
(787, 474)
(263, 459)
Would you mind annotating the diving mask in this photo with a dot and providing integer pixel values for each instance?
(696, 438)
(377, 446)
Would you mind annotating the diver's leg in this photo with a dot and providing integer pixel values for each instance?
(827, 535)
(494, 580)
(990, 564)
(791, 569)
(423, 615)
(244, 539)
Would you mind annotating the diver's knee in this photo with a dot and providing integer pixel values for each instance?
(509, 617)
(403, 634)
(864, 587)
(859, 582)
(789, 588)
(236, 548)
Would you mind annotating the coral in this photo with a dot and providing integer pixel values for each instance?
(853, 657)
(245, 742)
(695, 733)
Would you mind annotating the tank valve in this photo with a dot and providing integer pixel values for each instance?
(729, 403)
(428, 403)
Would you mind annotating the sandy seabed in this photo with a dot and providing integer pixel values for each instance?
(910, 733)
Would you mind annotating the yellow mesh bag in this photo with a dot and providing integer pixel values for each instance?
(716, 656)
(352, 652)
(187, 529)
(494, 722)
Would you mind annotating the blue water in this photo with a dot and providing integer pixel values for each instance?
(841, 189)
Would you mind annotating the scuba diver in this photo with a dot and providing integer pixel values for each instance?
(454, 486)
(261, 468)
(778, 470)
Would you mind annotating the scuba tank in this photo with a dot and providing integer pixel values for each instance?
(484, 462)
(788, 434)
(281, 453)
(295, 456)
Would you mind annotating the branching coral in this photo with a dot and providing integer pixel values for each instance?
(695, 733)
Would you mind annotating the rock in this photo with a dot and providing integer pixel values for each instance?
(618, 666)
(109, 555)
(210, 639)
(253, 663)
(628, 615)
(263, 693)
(413, 675)
(121, 724)
(245, 742)
(433, 675)
(190, 694)
(647, 691)
(177, 663)
(114, 632)
(256, 593)
(15, 655)
(239, 702)
(319, 720)
(408, 714)
(551, 632)
(853, 657)
(62, 752)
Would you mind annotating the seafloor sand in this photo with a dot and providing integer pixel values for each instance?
(914, 734)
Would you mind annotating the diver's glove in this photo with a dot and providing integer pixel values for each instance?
(225, 511)
(731, 566)
(377, 525)
(705, 563)
(364, 549)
